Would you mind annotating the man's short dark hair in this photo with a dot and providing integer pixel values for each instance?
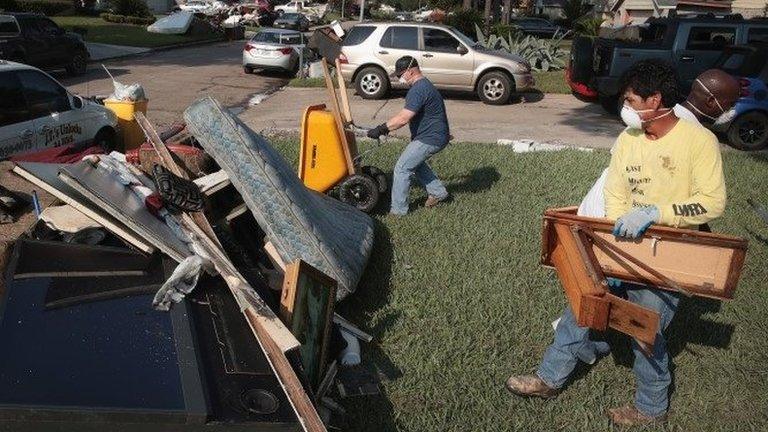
(647, 77)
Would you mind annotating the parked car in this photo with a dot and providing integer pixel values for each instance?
(36, 40)
(691, 43)
(450, 59)
(292, 21)
(195, 6)
(37, 112)
(749, 63)
(274, 49)
(536, 26)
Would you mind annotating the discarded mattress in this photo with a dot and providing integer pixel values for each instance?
(177, 23)
(302, 224)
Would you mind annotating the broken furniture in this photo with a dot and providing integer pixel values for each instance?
(328, 155)
(302, 224)
(584, 252)
(114, 364)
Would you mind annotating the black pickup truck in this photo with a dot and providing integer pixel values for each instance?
(691, 43)
(36, 40)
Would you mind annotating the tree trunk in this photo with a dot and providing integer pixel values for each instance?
(467, 4)
(487, 15)
(507, 12)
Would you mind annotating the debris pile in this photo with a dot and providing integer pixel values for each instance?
(206, 211)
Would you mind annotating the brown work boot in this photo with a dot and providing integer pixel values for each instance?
(628, 415)
(433, 201)
(530, 385)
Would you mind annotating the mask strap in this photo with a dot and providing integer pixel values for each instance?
(699, 111)
(669, 111)
(711, 94)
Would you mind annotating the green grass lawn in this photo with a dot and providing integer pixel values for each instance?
(126, 34)
(552, 82)
(457, 301)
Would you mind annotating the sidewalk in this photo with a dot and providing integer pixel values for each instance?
(556, 119)
(100, 51)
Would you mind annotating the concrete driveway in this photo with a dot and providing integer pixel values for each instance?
(555, 119)
(175, 78)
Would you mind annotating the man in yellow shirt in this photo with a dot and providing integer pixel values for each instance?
(664, 171)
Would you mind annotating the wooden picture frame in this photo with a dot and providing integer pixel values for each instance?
(584, 252)
(307, 307)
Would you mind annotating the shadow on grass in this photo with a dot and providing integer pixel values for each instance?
(374, 412)
(477, 180)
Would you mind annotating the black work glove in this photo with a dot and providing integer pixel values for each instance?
(378, 131)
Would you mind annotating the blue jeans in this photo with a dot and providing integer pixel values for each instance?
(652, 374)
(413, 161)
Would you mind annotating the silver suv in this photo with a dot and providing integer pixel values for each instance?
(446, 56)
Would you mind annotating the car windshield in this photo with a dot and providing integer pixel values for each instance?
(462, 37)
(278, 38)
(290, 16)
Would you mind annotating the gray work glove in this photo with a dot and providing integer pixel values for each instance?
(634, 223)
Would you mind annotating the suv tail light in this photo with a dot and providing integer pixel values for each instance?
(248, 47)
(744, 87)
(343, 59)
(286, 50)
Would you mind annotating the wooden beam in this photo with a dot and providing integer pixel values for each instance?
(344, 96)
(337, 117)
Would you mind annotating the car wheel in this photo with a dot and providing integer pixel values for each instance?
(106, 139)
(494, 88)
(372, 83)
(359, 191)
(610, 103)
(749, 131)
(247, 70)
(78, 65)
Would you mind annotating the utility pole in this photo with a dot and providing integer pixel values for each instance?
(362, 9)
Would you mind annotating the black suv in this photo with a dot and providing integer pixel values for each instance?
(691, 43)
(38, 41)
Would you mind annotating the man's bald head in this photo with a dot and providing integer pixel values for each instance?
(713, 93)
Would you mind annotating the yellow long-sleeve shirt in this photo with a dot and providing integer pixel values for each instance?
(680, 173)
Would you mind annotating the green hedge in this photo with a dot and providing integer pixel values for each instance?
(122, 19)
(45, 7)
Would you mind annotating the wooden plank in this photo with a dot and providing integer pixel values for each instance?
(236, 212)
(343, 92)
(337, 117)
(351, 328)
(598, 309)
(103, 219)
(288, 294)
(275, 257)
(586, 284)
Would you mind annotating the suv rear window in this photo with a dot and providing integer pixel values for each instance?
(8, 25)
(710, 38)
(358, 35)
(401, 38)
(757, 34)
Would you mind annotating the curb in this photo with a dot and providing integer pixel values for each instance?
(160, 49)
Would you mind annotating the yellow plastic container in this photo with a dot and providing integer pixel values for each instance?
(322, 164)
(131, 134)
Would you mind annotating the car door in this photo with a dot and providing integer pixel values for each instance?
(17, 128)
(445, 60)
(58, 52)
(36, 43)
(397, 41)
(56, 122)
(698, 50)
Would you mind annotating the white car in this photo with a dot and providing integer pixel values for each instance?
(37, 112)
(195, 6)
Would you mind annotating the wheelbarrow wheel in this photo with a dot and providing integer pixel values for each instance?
(378, 175)
(359, 191)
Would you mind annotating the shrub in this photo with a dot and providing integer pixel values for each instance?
(542, 54)
(588, 26)
(378, 15)
(505, 30)
(465, 20)
(48, 8)
(135, 8)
